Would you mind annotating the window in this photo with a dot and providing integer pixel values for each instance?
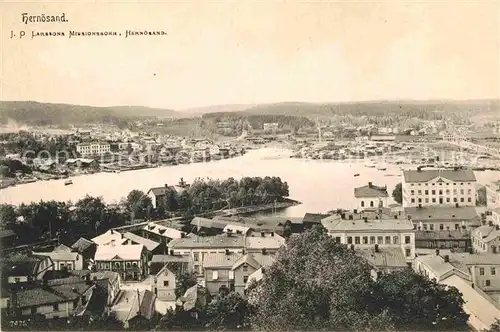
(371, 203)
(395, 239)
(433, 200)
(380, 239)
(408, 252)
(231, 275)
(462, 199)
(487, 283)
(215, 275)
(413, 200)
(454, 191)
(469, 200)
(165, 283)
(469, 191)
(33, 310)
(362, 203)
(447, 199)
(425, 227)
(245, 268)
(56, 307)
(420, 200)
(440, 192)
(128, 264)
(407, 239)
(457, 227)
(427, 192)
(493, 271)
(447, 191)
(365, 239)
(461, 191)
(387, 240)
(196, 256)
(413, 192)
(337, 239)
(481, 271)
(433, 192)
(440, 183)
(420, 192)
(372, 239)
(431, 227)
(454, 184)
(245, 279)
(427, 200)
(16, 280)
(454, 199)
(349, 240)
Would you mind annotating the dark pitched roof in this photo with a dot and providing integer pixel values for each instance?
(82, 244)
(160, 191)
(22, 265)
(314, 217)
(384, 258)
(442, 213)
(450, 174)
(51, 294)
(370, 191)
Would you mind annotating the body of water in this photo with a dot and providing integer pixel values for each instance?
(321, 185)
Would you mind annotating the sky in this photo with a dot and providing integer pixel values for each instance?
(252, 52)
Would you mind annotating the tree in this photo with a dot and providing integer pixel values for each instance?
(319, 284)
(88, 215)
(397, 193)
(315, 284)
(184, 281)
(227, 311)
(7, 216)
(138, 204)
(4, 171)
(416, 303)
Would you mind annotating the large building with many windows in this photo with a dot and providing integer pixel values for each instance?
(439, 187)
(92, 149)
(379, 234)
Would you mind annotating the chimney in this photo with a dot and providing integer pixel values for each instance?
(262, 234)
(437, 252)
(166, 185)
(376, 248)
(112, 231)
(264, 251)
(446, 258)
(370, 184)
(227, 251)
(472, 285)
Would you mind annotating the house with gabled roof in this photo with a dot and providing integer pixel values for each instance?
(23, 268)
(133, 307)
(165, 280)
(157, 194)
(246, 266)
(129, 260)
(64, 260)
(371, 196)
(486, 239)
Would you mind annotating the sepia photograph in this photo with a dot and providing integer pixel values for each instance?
(246, 165)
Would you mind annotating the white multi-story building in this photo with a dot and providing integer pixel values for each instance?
(271, 126)
(379, 233)
(439, 187)
(92, 149)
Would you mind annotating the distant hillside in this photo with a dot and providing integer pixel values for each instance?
(216, 108)
(375, 108)
(41, 114)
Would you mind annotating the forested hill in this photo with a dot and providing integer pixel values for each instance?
(40, 114)
(418, 109)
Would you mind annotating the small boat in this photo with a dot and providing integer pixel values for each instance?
(357, 174)
(67, 183)
(381, 167)
(370, 165)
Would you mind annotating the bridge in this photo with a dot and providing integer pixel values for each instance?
(480, 149)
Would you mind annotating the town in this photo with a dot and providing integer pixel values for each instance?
(175, 272)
